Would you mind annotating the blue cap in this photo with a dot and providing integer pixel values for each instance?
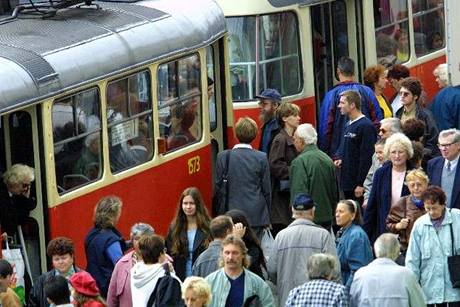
(271, 94)
(303, 201)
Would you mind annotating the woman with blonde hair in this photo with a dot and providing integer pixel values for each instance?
(189, 233)
(104, 244)
(196, 292)
(388, 184)
(408, 209)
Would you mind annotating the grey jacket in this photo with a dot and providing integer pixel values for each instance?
(208, 261)
(370, 177)
(249, 183)
(287, 265)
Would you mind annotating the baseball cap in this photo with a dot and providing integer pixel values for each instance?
(303, 201)
(84, 283)
(271, 94)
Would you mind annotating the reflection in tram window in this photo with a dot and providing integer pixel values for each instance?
(428, 24)
(179, 105)
(76, 133)
(129, 116)
(391, 31)
(278, 60)
(211, 87)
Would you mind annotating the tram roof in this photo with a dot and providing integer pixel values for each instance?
(45, 57)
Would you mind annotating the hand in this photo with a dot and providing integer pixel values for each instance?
(402, 224)
(359, 191)
(364, 205)
(4, 236)
(338, 163)
(239, 230)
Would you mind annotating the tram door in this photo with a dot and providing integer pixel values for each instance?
(336, 31)
(216, 99)
(20, 145)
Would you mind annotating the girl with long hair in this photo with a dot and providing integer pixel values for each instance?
(189, 234)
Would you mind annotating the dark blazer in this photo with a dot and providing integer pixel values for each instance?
(434, 171)
(379, 202)
(249, 183)
(200, 244)
(282, 152)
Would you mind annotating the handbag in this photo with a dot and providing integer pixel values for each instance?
(453, 263)
(14, 257)
(220, 197)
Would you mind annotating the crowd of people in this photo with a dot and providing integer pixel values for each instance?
(364, 212)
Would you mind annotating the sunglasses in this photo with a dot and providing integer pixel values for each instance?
(404, 94)
(382, 130)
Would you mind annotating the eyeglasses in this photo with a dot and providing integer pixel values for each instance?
(404, 94)
(447, 145)
(383, 131)
(26, 185)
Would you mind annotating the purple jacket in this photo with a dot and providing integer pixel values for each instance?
(119, 294)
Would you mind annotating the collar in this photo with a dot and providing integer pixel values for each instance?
(241, 145)
(453, 163)
(411, 110)
(356, 119)
(309, 147)
(447, 218)
(302, 221)
(384, 261)
(289, 139)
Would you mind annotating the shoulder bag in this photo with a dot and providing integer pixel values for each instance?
(221, 191)
(453, 263)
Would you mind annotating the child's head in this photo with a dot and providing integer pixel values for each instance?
(84, 287)
(6, 271)
(57, 290)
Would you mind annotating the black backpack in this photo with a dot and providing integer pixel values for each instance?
(167, 292)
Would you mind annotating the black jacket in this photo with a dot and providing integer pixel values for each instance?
(199, 245)
(14, 210)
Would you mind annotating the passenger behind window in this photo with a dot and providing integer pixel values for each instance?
(184, 117)
(435, 41)
(88, 163)
(141, 146)
(403, 51)
(387, 49)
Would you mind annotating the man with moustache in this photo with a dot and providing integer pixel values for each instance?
(234, 285)
(269, 100)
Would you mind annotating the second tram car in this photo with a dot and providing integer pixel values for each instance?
(294, 45)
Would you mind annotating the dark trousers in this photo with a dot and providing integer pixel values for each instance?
(451, 304)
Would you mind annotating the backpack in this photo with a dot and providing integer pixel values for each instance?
(167, 292)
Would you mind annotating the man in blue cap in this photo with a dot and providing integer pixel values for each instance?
(287, 264)
(269, 100)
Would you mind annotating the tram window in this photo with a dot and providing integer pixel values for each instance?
(179, 105)
(428, 25)
(129, 116)
(77, 136)
(391, 31)
(211, 87)
(278, 62)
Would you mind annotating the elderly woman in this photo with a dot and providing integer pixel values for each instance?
(376, 78)
(15, 199)
(408, 209)
(353, 246)
(120, 288)
(282, 152)
(442, 75)
(196, 292)
(104, 244)
(321, 270)
(430, 244)
(62, 253)
(388, 184)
